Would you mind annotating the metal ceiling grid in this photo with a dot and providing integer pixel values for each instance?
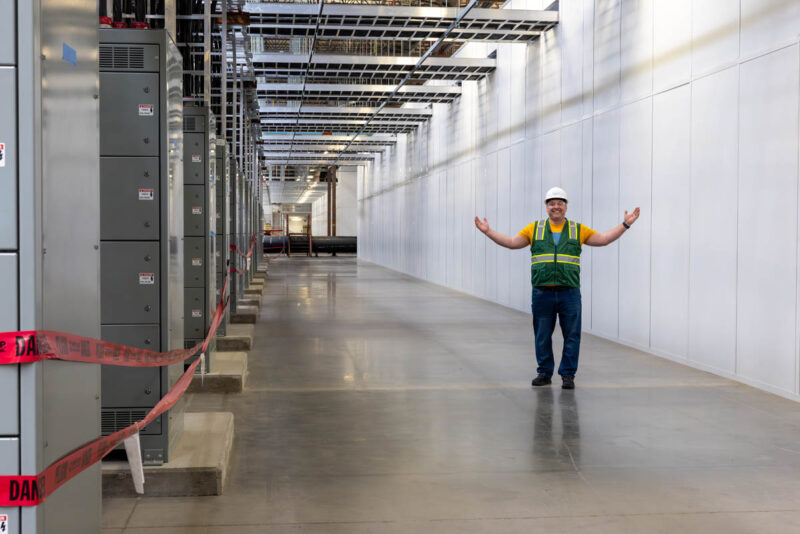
(335, 113)
(356, 94)
(349, 127)
(382, 69)
(320, 119)
(276, 156)
(311, 161)
(323, 148)
(281, 20)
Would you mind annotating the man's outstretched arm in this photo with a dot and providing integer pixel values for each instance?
(503, 240)
(601, 240)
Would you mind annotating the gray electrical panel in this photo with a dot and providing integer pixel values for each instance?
(223, 226)
(49, 249)
(142, 214)
(200, 224)
(235, 233)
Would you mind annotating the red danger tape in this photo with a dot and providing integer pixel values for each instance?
(249, 252)
(32, 346)
(32, 490)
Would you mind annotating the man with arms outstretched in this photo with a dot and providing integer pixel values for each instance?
(555, 245)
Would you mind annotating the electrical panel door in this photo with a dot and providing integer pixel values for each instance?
(194, 158)
(194, 210)
(195, 313)
(129, 282)
(8, 153)
(8, 34)
(9, 465)
(194, 262)
(131, 387)
(9, 374)
(129, 99)
(129, 199)
(219, 254)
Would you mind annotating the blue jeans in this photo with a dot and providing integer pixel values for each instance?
(546, 305)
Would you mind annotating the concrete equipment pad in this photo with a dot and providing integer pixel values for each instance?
(251, 302)
(245, 315)
(239, 338)
(198, 466)
(228, 375)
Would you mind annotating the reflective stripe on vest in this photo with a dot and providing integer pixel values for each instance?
(566, 258)
(543, 258)
(573, 230)
(540, 230)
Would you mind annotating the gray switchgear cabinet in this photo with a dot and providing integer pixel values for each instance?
(200, 224)
(237, 232)
(223, 225)
(49, 249)
(141, 208)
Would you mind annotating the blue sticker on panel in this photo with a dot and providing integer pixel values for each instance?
(69, 55)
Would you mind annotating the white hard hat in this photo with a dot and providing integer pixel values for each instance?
(556, 192)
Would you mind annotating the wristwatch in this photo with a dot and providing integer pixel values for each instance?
(627, 227)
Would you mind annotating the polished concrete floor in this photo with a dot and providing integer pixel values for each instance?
(380, 403)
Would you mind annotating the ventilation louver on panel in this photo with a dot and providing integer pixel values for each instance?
(122, 57)
(113, 420)
(188, 124)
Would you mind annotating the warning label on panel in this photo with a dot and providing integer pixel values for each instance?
(145, 110)
(196, 314)
(146, 194)
(2, 160)
(4, 524)
(197, 262)
(147, 279)
(196, 210)
(196, 158)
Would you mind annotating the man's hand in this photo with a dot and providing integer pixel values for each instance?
(630, 219)
(483, 226)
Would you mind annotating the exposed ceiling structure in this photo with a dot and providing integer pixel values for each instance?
(335, 82)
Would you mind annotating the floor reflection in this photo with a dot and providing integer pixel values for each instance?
(557, 428)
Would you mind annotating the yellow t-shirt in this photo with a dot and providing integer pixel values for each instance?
(527, 232)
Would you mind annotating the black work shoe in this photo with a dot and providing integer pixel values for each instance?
(568, 382)
(541, 380)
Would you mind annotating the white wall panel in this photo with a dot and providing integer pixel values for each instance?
(588, 57)
(713, 204)
(767, 24)
(636, 49)
(606, 53)
(451, 242)
(504, 226)
(671, 222)
(570, 38)
(520, 263)
(517, 90)
(570, 168)
(502, 94)
(715, 35)
(533, 76)
(480, 241)
(672, 40)
(587, 150)
(605, 211)
(768, 155)
(490, 171)
(636, 130)
(468, 228)
(551, 160)
(551, 81)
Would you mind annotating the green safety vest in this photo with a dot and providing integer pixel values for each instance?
(553, 264)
